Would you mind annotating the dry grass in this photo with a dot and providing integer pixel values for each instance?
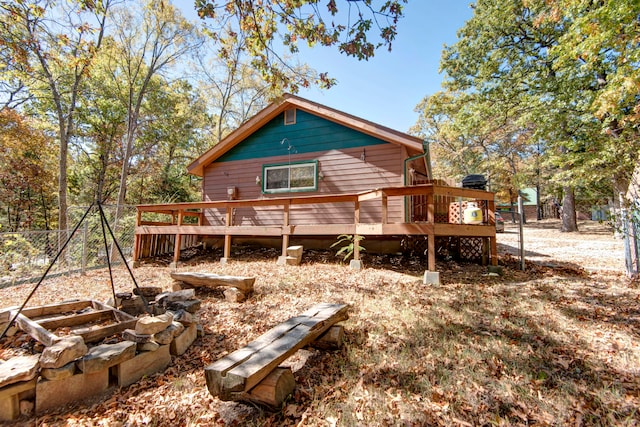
(551, 346)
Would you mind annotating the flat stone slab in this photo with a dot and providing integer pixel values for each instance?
(152, 325)
(133, 336)
(106, 355)
(181, 295)
(146, 363)
(182, 342)
(64, 351)
(56, 374)
(52, 394)
(166, 336)
(147, 291)
(191, 306)
(20, 368)
(210, 280)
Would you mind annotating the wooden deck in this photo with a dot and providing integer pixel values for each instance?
(428, 214)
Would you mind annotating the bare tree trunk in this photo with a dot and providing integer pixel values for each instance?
(569, 219)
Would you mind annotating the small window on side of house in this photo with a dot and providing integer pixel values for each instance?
(290, 117)
(294, 177)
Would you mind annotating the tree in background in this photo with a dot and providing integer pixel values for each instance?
(170, 137)
(27, 174)
(52, 47)
(524, 61)
(120, 116)
(467, 138)
(234, 89)
(145, 44)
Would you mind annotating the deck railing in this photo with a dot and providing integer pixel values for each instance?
(428, 212)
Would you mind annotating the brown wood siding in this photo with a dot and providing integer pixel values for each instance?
(344, 172)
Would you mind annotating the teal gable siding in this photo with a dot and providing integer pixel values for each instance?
(309, 134)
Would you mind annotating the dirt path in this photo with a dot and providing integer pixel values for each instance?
(594, 247)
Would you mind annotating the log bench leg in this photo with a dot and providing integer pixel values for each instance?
(275, 388)
(330, 340)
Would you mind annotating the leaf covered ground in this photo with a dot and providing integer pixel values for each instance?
(557, 344)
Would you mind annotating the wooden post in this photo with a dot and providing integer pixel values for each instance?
(385, 209)
(431, 252)
(227, 236)
(430, 207)
(356, 244)
(493, 245)
(176, 248)
(285, 225)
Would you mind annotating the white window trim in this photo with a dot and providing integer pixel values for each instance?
(281, 166)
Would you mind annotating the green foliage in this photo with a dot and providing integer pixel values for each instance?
(543, 93)
(15, 249)
(348, 243)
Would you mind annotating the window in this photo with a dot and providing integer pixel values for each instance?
(300, 176)
(290, 117)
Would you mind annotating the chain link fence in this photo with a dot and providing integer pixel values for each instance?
(630, 221)
(26, 255)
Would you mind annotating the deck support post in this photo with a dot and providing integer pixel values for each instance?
(227, 236)
(493, 245)
(285, 225)
(431, 252)
(176, 248)
(356, 244)
(385, 208)
(431, 239)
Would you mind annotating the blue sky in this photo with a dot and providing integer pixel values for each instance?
(387, 88)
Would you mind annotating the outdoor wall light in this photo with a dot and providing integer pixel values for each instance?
(258, 180)
(320, 175)
(363, 156)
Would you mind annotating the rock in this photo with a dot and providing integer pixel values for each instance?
(166, 336)
(151, 325)
(106, 355)
(27, 407)
(190, 305)
(17, 369)
(182, 342)
(148, 346)
(133, 306)
(133, 336)
(234, 295)
(55, 374)
(64, 351)
(183, 317)
(179, 327)
(199, 330)
(182, 295)
(124, 295)
(147, 291)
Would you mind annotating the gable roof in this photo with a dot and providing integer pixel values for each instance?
(412, 143)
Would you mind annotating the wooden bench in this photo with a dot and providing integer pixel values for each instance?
(251, 373)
